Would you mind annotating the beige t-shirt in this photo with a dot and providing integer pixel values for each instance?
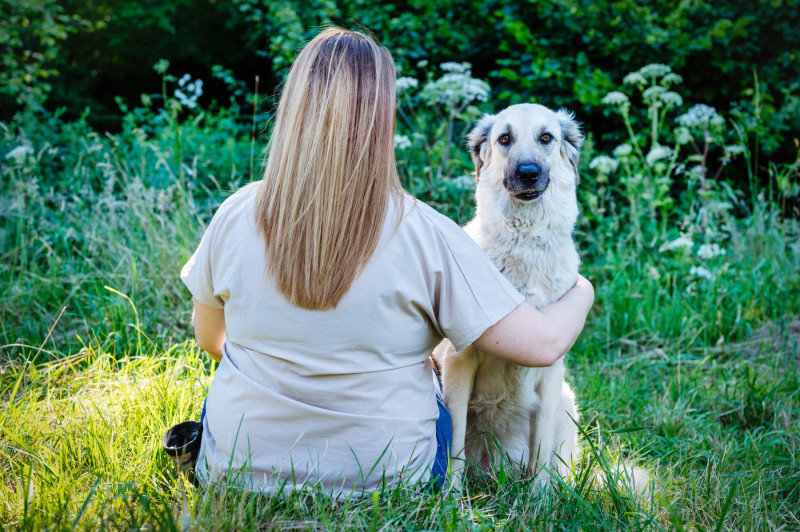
(341, 396)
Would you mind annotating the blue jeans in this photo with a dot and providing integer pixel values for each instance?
(444, 441)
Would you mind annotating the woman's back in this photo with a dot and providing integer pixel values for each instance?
(343, 396)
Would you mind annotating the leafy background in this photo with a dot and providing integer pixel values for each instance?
(124, 124)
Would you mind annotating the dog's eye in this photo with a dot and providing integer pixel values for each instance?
(504, 139)
(546, 138)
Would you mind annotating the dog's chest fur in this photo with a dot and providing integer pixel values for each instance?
(539, 258)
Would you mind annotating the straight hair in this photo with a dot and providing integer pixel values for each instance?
(331, 169)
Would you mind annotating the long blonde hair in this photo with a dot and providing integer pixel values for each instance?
(331, 170)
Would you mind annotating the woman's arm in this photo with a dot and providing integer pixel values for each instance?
(209, 329)
(538, 338)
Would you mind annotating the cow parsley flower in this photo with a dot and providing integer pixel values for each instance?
(456, 87)
(623, 150)
(20, 153)
(654, 70)
(736, 149)
(189, 91)
(701, 272)
(452, 66)
(683, 135)
(700, 115)
(653, 93)
(682, 241)
(671, 78)
(657, 153)
(634, 78)
(604, 164)
(464, 182)
(709, 251)
(671, 99)
(401, 142)
(406, 83)
(161, 66)
(615, 98)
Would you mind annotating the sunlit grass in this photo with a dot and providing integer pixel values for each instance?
(695, 380)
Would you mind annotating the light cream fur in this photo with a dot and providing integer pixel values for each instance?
(531, 411)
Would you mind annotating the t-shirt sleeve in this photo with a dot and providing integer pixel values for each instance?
(197, 273)
(470, 294)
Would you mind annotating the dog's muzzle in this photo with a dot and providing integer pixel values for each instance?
(527, 182)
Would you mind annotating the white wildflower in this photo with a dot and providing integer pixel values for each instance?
(634, 78)
(615, 98)
(732, 151)
(161, 66)
(654, 70)
(658, 153)
(671, 78)
(401, 142)
(683, 135)
(456, 87)
(653, 93)
(604, 164)
(452, 66)
(406, 83)
(623, 150)
(189, 92)
(695, 172)
(699, 115)
(464, 182)
(682, 241)
(701, 272)
(20, 153)
(672, 98)
(709, 251)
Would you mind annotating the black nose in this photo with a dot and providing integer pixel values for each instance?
(528, 173)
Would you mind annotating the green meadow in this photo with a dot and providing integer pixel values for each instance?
(688, 367)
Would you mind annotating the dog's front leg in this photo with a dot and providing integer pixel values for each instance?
(458, 377)
(543, 422)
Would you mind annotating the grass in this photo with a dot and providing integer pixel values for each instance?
(696, 380)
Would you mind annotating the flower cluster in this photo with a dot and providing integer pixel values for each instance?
(702, 116)
(193, 91)
(658, 153)
(464, 182)
(20, 153)
(604, 164)
(405, 83)
(402, 142)
(709, 251)
(457, 87)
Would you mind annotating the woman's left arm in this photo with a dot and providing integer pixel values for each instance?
(209, 329)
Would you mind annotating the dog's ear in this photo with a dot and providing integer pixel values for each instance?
(478, 143)
(572, 138)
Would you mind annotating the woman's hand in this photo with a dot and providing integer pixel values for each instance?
(209, 329)
(538, 338)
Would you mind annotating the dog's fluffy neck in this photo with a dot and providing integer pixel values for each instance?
(532, 246)
(547, 223)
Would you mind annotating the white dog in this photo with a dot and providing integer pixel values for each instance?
(526, 161)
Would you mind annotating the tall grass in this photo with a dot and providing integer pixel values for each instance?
(694, 377)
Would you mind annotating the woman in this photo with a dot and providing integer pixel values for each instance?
(323, 288)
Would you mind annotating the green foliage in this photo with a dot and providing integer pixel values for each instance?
(564, 53)
(31, 34)
(432, 124)
(687, 365)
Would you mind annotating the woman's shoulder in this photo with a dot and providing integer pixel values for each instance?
(419, 216)
(241, 201)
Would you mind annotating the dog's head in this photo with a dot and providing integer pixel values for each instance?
(527, 149)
